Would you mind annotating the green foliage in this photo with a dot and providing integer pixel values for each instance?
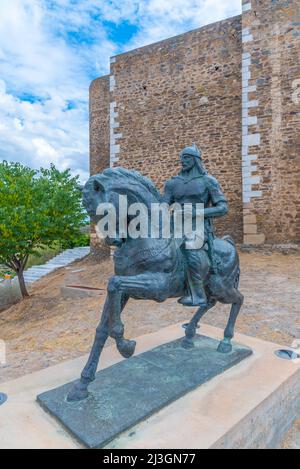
(80, 241)
(43, 255)
(37, 209)
(5, 271)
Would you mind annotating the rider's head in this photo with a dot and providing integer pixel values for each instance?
(191, 157)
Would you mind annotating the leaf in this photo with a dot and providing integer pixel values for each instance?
(37, 208)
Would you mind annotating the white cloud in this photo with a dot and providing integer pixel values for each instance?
(50, 50)
(160, 19)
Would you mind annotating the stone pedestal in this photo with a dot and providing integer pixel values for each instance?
(129, 392)
(250, 405)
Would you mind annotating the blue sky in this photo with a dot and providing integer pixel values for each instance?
(50, 50)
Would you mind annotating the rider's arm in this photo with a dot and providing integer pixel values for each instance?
(168, 192)
(218, 210)
(219, 205)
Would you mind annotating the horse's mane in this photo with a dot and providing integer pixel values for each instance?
(125, 177)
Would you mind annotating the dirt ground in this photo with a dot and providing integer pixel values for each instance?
(46, 328)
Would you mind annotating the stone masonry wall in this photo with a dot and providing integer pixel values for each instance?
(182, 90)
(232, 87)
(271, 121)
(99, 144)
(99, 125)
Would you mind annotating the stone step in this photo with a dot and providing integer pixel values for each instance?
(30, 280)
(56, 264)
(61, 260)
(32, 274)
(67, 258)
(39, 269)
(35, 275)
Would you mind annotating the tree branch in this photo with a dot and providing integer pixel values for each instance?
(24, 261)
(9, 264)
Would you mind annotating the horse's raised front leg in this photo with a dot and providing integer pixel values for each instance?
(116, 327)
(144, 286)
(191, 327)
(80, 389)
(225, 346)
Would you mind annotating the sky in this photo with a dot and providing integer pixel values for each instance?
(50, 51)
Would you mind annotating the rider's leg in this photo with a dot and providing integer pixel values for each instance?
(197, 270)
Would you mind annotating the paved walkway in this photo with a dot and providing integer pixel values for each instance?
(62, 260)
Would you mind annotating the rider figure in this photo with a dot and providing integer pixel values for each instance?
(194, 185)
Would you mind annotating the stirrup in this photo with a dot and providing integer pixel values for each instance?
(189, 301)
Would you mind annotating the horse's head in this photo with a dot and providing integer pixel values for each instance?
(93, 195)
(107, 187)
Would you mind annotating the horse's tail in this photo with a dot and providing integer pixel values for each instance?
(237, 271)
(237, 278)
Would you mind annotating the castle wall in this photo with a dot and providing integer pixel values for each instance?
(182, 90)
(271, 121)
(99, 125)
(233, 88)
(99, 144)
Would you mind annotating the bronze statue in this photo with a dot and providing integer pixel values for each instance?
(194, 185)
(159, 268)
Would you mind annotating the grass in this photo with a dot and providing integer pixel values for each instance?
(43, 255)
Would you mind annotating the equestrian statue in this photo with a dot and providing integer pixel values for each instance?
(158, 268)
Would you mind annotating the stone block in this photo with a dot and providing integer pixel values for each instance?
(250, 229)
(254, 238)
(246, 7)
(248, 205)
(249, 219)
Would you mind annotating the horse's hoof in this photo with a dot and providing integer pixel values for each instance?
(224, 347)
(126, 347)
(185, 325)
(79, 392)
(187, 343)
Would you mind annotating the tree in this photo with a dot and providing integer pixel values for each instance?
(37, 209)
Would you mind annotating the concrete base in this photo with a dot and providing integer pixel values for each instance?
(249, 406)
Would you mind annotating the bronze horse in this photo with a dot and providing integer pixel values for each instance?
(151, 269)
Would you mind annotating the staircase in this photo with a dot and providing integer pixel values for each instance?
(62, 260)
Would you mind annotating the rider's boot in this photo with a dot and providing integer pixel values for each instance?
(197, 295)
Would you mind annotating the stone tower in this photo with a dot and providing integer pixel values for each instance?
(232, 87)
